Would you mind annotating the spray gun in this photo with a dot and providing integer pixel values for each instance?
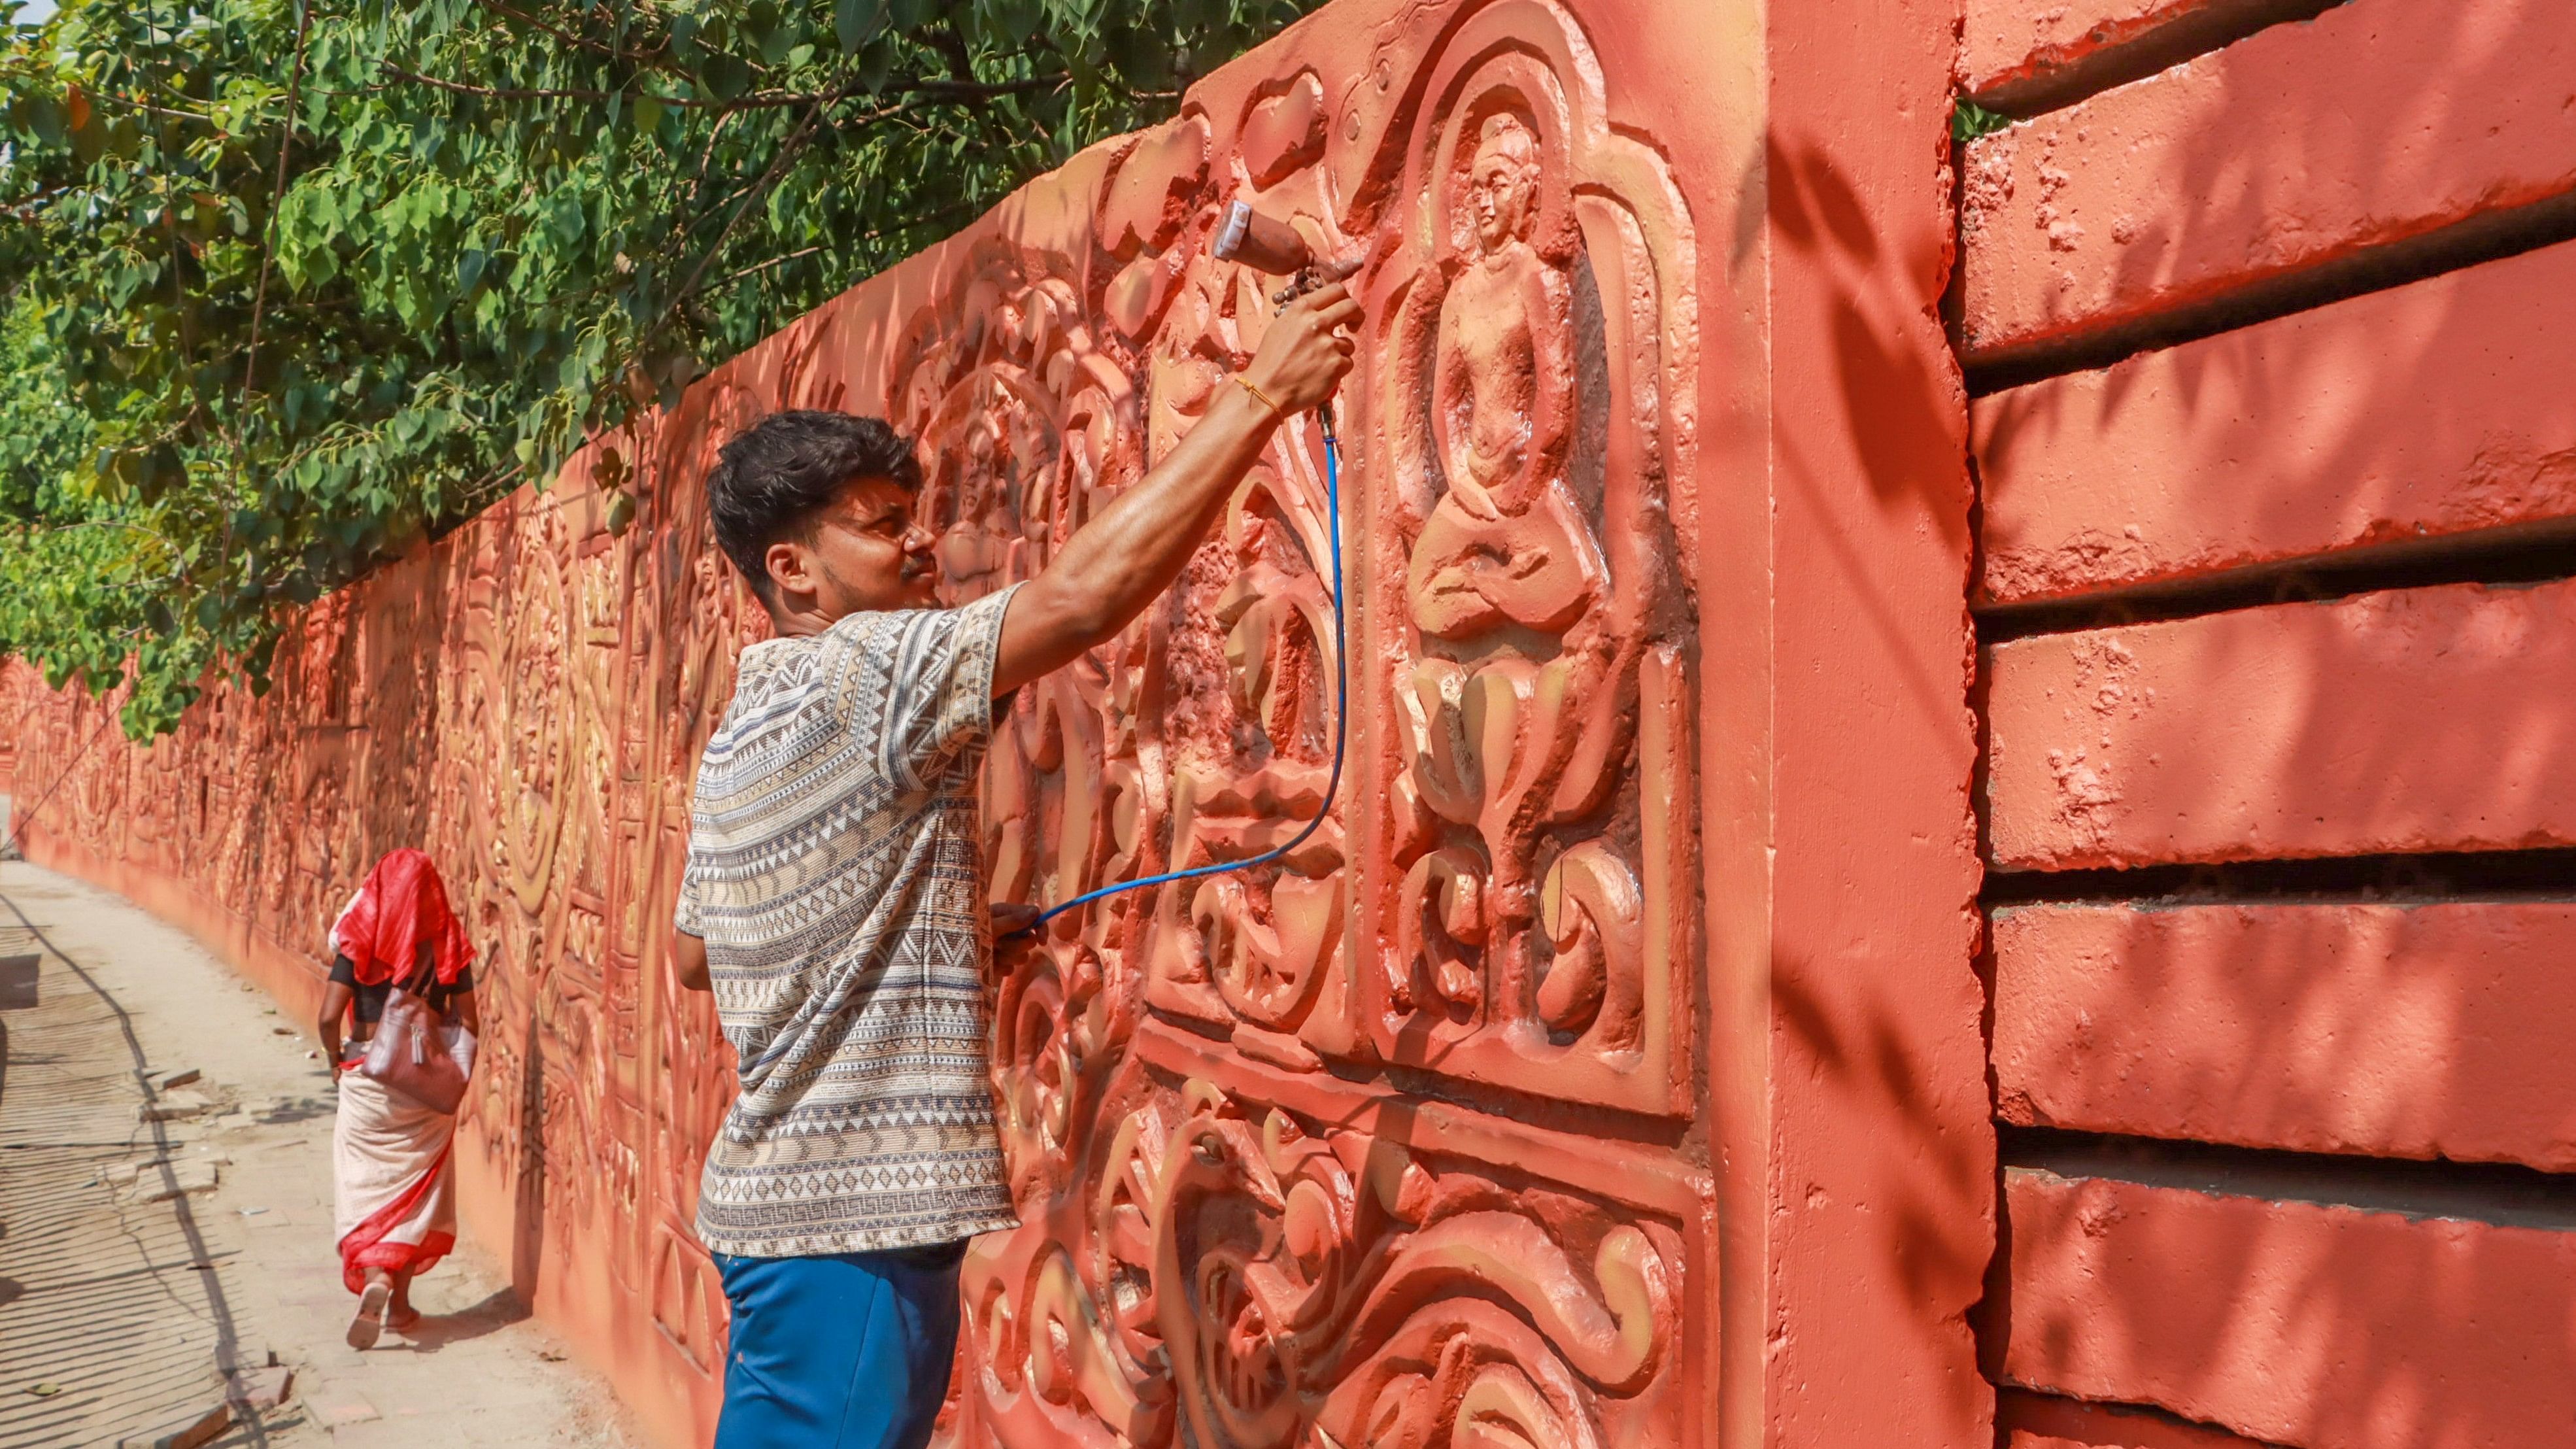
(1268, 245)
(1273, 247)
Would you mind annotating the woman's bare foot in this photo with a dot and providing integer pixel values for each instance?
(369, 1324)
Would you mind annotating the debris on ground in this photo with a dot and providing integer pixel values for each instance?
(175, 1179)
(260, 1389)
(174, 1107)
(339, 1408)
(185, 1432)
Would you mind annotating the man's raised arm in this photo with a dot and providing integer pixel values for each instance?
(1129, 554)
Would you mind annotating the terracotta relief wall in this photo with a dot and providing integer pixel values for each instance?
(1606, 1072)
(2275, 437)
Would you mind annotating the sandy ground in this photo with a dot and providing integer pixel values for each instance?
(119, 1314)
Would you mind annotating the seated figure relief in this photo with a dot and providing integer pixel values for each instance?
(1534, 878)
(1508, 576)
(1506, 541)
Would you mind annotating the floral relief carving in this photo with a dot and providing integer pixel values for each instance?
(1238, 1275)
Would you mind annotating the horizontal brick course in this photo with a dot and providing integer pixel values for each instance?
(2406, 721)
(2290, 1322)
(2039, 1421)
(2399, 1031)
(2378, 121)
(2014, 51)
(2433, 409)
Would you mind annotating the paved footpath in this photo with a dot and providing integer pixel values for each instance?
(140, 1260)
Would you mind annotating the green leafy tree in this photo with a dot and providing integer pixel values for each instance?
(289, 285)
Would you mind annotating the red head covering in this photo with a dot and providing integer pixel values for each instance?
(402, 905)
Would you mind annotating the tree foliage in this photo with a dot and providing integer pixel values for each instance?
(289, 285)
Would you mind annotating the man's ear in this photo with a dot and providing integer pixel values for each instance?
(787, 567)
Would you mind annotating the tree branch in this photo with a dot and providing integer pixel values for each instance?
(777, 168)
(756, 268)
(584, 42)
(268, 239)
(937, 90)
(942, 215)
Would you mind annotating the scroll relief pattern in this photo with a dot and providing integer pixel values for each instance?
(1502, 895)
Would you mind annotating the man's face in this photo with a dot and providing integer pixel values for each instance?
(866, 552)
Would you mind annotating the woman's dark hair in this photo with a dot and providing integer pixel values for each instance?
(769, 482)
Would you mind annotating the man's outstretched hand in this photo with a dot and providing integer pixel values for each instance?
(1129, 553)
(1306, 351)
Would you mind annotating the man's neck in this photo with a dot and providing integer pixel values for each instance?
(787, 623)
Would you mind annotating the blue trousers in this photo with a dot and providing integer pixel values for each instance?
(845, 1352)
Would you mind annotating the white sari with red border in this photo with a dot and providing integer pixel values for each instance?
(395, 1181)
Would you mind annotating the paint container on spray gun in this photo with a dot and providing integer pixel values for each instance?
(1266, 244)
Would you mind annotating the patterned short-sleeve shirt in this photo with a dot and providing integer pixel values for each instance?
(835, 874)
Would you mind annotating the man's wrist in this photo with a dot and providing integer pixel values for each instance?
(1261, 395)
(1263, 388)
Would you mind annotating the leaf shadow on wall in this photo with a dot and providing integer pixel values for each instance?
(2255, 745)
(1874, 1006)
(1903, 406)
(528, 1219)
(1932, 1250)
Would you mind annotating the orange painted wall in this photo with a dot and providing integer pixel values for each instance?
(2277, 456)
(1608, 1074)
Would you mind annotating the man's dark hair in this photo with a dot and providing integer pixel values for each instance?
(769, 482)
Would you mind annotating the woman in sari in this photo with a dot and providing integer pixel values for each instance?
(393, 1174)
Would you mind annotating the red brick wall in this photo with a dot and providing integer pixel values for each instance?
(2276, 441)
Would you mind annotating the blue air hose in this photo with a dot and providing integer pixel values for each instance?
(1341, 715)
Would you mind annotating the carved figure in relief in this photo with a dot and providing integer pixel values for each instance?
(1506, 541)
(977, 551)
(1245, 671)
(1533, 892)
(1505, 544)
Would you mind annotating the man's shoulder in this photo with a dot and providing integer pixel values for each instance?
(892, 628)
(772, 680)
(895, 647)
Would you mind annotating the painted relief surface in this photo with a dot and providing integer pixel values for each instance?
(1371, 1147)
